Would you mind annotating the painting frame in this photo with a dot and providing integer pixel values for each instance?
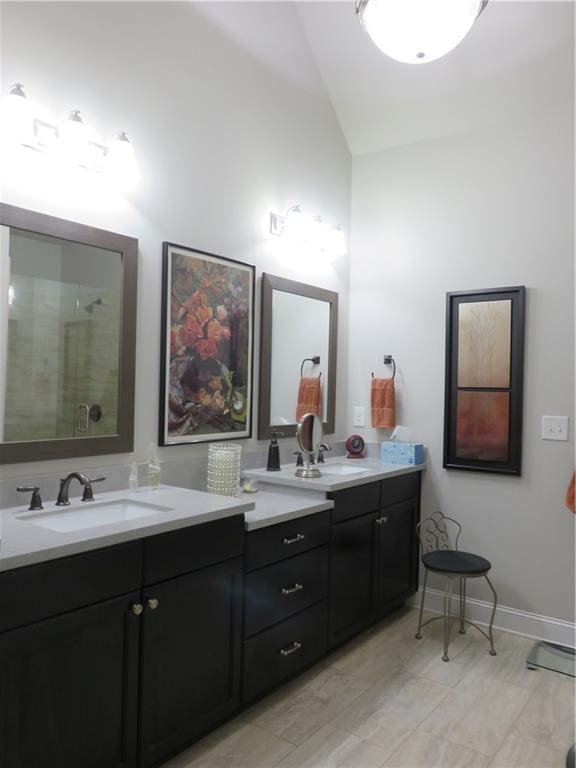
(483, 420)
(198, 354)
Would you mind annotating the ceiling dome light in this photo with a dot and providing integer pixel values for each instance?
(120, 165)
(18, 118)
(418, 31)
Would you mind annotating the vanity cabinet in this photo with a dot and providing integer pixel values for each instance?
(120, 657)
(373, 553)
(285, 602)
(68, 689)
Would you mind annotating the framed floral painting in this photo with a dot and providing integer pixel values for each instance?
(207, 347)
(484, 380)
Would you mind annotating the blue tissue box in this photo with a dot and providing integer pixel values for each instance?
(402, 453)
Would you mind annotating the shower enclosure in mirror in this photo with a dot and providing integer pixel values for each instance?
(66, 338)
(298, 343)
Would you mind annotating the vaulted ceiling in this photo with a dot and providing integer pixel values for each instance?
(517, 59)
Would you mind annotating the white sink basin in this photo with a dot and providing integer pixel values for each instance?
(341, 469)
(91, 515)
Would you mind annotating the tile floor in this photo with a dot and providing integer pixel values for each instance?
(386, 699)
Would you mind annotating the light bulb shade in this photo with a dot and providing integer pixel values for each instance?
(296, 225)
(418, 31)
(336, 242)
(18, 118)
(73, 138)
(120, 165)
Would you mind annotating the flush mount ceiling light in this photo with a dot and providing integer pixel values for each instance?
(418, 31)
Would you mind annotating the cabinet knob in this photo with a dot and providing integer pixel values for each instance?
(290, 649)
(384, 519)
(136, 609)
(381, 520)
(291, 590)
(152, 603)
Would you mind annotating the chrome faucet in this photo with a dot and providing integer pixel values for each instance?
(86, 482)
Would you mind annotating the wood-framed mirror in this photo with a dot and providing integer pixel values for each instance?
(67, 338)
(298, 341)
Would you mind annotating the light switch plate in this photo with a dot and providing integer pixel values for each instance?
(554, 427)
(359, 419)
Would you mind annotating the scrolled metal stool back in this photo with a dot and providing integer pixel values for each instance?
(437, 531)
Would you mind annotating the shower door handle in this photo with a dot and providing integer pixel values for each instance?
(83, 417)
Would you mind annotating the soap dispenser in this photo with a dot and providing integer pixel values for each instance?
(273, 463)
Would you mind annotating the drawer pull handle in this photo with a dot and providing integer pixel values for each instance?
(291, 590)
(137, 609)
(291, 649)
(295, 539)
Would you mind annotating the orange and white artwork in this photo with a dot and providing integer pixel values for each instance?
(484, 343)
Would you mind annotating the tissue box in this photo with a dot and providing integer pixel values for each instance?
(402, 453)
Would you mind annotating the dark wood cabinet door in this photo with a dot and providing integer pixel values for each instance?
(68, 690)
(190, 661)
(397, 554)
(353, 550)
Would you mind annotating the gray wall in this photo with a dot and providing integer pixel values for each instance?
(229, 120)
(477, 210)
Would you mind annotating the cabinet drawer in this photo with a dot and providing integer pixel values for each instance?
(283, 589)
(189, 549)
(399, 488)
(354, 502)
(283, 651)
(37, 592)
(277, 542)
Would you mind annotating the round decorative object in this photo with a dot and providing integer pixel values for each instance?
(355, 446)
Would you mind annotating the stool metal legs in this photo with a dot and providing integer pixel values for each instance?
(462, 629)
(490, 635)
(418, 634)
(447, 616)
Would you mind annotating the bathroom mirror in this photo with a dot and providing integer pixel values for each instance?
(309, 433)
(298, 343)
(67, 336)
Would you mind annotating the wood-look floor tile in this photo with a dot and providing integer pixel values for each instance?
(548, 717)
(296, 712)
(478, 713)
(518, 752)
(425, 750)
(332, 748)
(510, 663)
(234, 745)
(391, 710)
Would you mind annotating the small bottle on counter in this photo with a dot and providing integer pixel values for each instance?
(154, 468)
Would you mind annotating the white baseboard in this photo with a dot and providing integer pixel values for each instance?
(509, 619)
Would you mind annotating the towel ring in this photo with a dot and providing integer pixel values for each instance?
(314, 360)
(389, 360)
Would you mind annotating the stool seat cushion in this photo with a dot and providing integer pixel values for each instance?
(451, 561)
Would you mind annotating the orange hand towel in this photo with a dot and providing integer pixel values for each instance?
(383, 403)
(309, 397)
(570, 501)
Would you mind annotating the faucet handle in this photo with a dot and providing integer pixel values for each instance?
(36, 500)
(87, 493)
(299, 459)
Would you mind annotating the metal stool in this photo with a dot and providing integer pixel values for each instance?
(440, 558)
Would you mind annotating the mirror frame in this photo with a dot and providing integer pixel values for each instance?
(271, 283)
(123, 440)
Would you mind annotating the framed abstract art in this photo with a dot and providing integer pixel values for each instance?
(207, 347)
(484, 380)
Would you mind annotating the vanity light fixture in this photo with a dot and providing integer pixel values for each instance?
(310, 233)
(70, 141)
(418, 31)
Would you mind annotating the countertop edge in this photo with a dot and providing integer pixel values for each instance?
(295, 514)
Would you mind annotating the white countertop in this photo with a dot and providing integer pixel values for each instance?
(282, 504)
(24, 543)
(374, 470)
